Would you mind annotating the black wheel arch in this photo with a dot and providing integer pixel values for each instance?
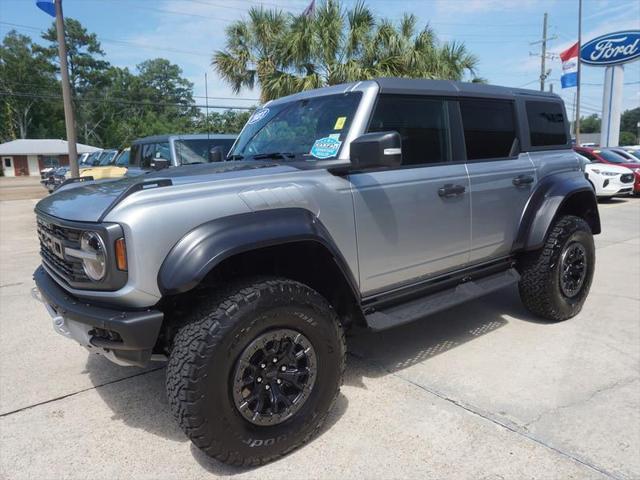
(567, 193)
(205, 247)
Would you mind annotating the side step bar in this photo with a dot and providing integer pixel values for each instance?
(422, 307)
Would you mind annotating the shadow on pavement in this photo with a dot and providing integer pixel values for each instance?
(139, 399)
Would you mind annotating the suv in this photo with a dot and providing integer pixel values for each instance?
(374, 203)
(161, 151)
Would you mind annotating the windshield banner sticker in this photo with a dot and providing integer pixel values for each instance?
(258, 115)
(325, 147)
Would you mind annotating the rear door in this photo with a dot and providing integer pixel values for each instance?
(413, 221)
(501, 178)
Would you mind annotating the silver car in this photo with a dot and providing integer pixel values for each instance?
(374, 203)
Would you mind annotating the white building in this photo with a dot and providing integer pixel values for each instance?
(27, 157)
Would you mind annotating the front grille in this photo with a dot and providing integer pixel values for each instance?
(626, 178)
(53, 240)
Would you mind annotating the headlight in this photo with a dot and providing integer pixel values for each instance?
(595, 170)
(94, 262)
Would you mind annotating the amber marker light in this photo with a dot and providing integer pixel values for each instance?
(121, 254)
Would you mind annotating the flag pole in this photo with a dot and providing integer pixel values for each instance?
(577, 123)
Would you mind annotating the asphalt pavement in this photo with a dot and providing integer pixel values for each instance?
(481, 391)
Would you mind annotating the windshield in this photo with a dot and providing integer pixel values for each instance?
(612, 157)
(107, 157)
(123, 159)
(190, 151)
(307, 129)
(92, 159)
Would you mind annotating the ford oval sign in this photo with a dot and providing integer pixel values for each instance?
(612, 48)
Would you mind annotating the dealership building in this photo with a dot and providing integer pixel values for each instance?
(27, 157)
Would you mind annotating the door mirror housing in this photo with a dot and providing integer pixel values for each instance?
(376, 150)
(215, 154)
(159, 163)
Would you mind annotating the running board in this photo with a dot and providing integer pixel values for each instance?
(422, 307)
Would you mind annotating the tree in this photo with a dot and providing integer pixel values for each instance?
(629, 121)
(627, 138)
(284, 54)
(26, 78)
(590, 124)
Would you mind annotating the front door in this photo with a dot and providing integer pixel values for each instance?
(414, 221)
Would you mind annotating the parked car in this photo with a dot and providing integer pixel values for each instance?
(604, 155)
(374, 203)
(162, 151)
(113, 165)
(608, 180)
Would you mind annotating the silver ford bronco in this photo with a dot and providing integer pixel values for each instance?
(374, 203)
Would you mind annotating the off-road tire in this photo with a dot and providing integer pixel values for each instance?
(539, 284)
(203, 359)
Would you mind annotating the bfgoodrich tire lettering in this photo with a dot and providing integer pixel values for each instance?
(201, 369)
(540, 286)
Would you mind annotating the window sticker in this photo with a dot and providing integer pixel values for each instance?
(326, 147)
(258, 115)
(339, 123)
(335, 136)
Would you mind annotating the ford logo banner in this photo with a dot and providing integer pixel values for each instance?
(612, 48)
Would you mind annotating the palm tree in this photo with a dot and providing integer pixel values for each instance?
(284, 54)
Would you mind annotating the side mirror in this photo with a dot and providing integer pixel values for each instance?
(376, 150)
(215, 154)
(159, 163)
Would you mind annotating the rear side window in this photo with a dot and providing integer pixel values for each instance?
(421, 122)
(489, 128)
(546, 124)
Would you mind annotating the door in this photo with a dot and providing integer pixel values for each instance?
(501, 178)
(7, 167)
(414, 221)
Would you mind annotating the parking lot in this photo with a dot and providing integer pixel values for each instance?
(482, 391)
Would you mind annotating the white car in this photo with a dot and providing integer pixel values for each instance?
(608, 180)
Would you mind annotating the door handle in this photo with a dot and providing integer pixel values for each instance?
(522, 180)
(451, 190)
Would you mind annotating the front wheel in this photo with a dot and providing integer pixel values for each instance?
(555, 280)
(253, 375)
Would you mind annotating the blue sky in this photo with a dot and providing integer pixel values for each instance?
(499, 32)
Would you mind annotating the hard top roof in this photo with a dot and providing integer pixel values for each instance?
(420, 86)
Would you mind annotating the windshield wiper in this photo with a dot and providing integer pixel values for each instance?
(274, 155)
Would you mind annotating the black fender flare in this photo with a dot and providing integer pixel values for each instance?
(206, 246)
(550, 195)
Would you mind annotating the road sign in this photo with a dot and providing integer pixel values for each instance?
(47, 6)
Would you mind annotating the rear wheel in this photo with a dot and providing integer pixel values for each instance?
(253, 375)
(556, 279)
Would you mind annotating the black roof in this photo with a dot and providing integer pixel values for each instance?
(415, 86)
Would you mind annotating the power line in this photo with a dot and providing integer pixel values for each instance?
(122, 102)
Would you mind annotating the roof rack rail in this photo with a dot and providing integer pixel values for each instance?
(136, 187)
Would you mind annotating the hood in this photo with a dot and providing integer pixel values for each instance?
(608, 167)
(86, 202)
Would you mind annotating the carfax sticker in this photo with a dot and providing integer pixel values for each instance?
(258, 115)
(339, 123)
(326, 147)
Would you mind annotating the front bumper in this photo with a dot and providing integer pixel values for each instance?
(125, 337)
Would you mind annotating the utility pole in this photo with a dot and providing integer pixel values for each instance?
(69, 119)
(543, 57)
(544, 73)
(579, 74)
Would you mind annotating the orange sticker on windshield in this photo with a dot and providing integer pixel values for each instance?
(339, 123)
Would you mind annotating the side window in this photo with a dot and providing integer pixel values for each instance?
(489, 128)
(422, 122)
(147, 155)
(546, 124)
(163, 151)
